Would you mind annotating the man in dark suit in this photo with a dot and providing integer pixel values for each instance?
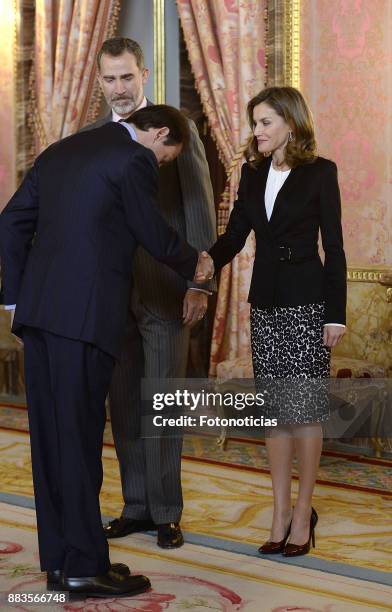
(163, 308)
(67, 241)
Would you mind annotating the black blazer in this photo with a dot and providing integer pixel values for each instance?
(91, 199)
(294, 275)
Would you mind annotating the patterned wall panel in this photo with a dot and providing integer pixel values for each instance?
(339, 53)
(346, 74)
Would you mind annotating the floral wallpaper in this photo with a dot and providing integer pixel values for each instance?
(346, 75)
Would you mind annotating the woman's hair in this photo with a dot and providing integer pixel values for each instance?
(289, 104)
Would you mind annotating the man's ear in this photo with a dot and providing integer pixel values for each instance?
(145, 75)
(162, 133)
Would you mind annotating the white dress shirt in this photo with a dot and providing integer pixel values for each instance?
(275, 181)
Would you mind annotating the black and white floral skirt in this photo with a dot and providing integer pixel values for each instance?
(290, 362)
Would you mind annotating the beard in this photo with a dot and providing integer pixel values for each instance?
(123, 106)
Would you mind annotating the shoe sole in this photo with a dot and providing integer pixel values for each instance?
(77, 594)
(270, 552)
(56, 586)
(168, 546)
(53, 586)
(124, 535)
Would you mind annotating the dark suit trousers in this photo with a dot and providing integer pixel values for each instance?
(150, 467)
(66, 385)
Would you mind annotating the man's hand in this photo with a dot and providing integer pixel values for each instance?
(204, 268)
(333, 334)
(194, 307)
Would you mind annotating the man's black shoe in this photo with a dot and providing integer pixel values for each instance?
(170, 535)
(54, 577)
(110, 584)
(53, 580)
(118, 528)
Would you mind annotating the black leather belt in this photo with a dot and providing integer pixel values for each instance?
(296, 254)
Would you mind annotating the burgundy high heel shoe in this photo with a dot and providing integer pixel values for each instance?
(294, 550)
(274, 548)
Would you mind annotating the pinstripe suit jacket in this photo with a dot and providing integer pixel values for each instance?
(186, 202)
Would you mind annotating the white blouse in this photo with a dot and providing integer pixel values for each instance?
(275, 180)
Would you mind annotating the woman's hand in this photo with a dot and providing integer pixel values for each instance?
(333, 334)
(204, 269)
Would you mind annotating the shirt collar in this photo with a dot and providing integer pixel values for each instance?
(130, 129)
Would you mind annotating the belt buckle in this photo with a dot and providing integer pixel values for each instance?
(289, 254)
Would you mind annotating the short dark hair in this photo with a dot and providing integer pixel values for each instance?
(117, 45)
(162, 115)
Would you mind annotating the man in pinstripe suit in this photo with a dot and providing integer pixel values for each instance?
(163, 308)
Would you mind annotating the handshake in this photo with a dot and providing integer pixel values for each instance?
(204, 269)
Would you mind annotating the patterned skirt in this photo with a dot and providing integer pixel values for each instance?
(291, 365)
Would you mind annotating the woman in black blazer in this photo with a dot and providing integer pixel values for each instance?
(286, 195)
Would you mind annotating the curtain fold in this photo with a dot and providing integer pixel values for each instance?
(226, 45)
(64, 91)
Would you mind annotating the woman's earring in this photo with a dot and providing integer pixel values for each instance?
(291, 137)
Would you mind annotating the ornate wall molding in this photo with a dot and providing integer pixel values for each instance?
(292, 42)
(274, 48)
(382, 276)
(369, 275)
(283, 43)
(159, 52)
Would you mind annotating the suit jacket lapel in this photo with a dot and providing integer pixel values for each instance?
(258, 195)
(282, 206)
(284, 202)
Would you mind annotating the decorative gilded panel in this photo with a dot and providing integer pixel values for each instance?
(159, 52)
(292, 42)
(369, 322)
(283, 43)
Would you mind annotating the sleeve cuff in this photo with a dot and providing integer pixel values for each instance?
(335, 324)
